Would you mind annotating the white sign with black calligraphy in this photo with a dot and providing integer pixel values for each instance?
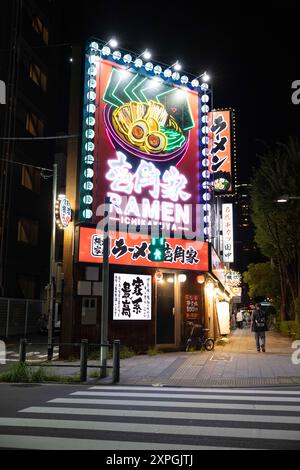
(132, 297)
(228, 247)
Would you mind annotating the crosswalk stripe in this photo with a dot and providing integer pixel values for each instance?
(155, 429)
(231, 391)
(232, 406)
(189, 397)
(66, 443)
(163, 414)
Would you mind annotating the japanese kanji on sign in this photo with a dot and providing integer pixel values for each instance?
(132, 297)
(126, 250)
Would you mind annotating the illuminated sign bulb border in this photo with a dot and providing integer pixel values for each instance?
(95, 50)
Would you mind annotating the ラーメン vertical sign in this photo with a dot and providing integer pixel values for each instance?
(220, 158)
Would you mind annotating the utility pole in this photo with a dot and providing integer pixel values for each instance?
(105, 287)
(2, 92)
(52, 265)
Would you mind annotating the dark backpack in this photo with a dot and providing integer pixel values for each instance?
(260, 321)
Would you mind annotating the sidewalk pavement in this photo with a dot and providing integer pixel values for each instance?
(235, 364)
(232, 364)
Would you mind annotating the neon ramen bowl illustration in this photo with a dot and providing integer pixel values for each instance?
(222, 181)
(146, 131)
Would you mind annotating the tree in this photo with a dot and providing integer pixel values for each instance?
(277, 227)
(263, 281)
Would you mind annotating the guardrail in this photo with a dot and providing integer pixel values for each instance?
(84, 345)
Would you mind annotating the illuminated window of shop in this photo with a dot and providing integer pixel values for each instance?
(38, 76)
(28, 231)
(31, 179)
(40, 28)
(33, 125)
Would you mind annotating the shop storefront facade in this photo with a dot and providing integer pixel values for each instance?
(149, 141)
(148, 305)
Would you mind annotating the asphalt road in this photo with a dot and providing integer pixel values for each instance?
(117, 418)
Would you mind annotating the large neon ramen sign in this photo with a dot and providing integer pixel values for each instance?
(142, 138)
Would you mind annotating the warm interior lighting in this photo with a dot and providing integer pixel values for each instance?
(200, 279)
(209, 287)
(158, 276)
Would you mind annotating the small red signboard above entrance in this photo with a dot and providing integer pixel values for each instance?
(128, 249)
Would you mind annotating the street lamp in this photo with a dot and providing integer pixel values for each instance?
(177, 66)
(52, 263)
(112, 43)
(146, 54)
(287, 198)
(61, 217)
(205, 77)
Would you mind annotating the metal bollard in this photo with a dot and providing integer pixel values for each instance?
(50, 352)
(22, 350)
(83, 360)
(116, 361)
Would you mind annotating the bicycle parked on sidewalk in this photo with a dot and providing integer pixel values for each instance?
(196, 338)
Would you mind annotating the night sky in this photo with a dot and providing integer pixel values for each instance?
(251, 56)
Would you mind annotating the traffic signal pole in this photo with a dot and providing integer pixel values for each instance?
(105, 287)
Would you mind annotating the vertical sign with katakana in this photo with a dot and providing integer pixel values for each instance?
(228, 248)
(219, 156)
(132, 297)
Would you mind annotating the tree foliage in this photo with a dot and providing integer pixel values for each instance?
(277, 225)
(263, 281)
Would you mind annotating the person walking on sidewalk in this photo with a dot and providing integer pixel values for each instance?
(259, 327)
(239, 319)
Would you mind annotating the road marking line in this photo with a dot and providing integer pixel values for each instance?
(163, 414)
(168, 404)
(64, 443)
(189, 397)
(200, 390)
(144, 428)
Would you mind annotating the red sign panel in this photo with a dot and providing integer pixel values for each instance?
(128, 249)
(220, 159)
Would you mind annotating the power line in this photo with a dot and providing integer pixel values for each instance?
(48, 46)
(26, 164)
(67, 136)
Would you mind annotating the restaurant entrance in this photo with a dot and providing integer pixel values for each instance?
(165, 310)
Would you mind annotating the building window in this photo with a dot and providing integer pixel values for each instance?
(28, 231)
(40, 28)
(38, 76)
(27, 286)
(33, 125)
(31, 179)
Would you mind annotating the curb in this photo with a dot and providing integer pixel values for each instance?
(230, 383)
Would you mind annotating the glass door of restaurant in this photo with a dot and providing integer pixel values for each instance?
(165, 310)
